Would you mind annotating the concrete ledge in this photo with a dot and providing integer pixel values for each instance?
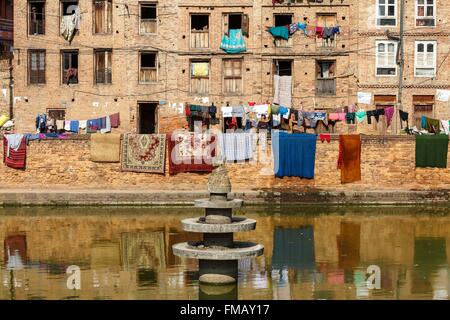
(89, 197)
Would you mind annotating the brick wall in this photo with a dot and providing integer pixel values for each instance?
(387, 163)
(4, 85)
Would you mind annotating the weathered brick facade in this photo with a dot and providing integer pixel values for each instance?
(354, 55)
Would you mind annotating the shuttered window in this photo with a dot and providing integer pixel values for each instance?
(199, 82)
(102, 16)
(36, 65)
(103, 66)
(425, 59)
(232, 76)
(386, 58)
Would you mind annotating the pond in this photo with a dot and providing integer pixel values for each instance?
(311, 252)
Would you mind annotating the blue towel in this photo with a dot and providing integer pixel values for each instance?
(234, 43)
(302, 26)
(283, 110)
(294, 154)
(74, 126)
(280, 32)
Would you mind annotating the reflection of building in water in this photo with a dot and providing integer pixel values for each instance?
(15, 251)
(348, 243)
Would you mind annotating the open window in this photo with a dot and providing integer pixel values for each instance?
(236, 21)
(148, 18)
(148, 67)
(423, 106)
(69, 68)
(425, 13)
(199, 82)
(199, 31)
(282, 67)
(148, 118)
(36, 66)
(283, 20)
(36, 17)
(102, 13)
(103, 66)
(232, 76)
(326, 20)
(326, 77)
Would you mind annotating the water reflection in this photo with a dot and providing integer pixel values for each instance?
(125, 253)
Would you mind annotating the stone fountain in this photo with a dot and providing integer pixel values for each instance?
(218, 253)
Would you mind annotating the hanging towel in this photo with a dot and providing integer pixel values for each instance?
(280, 32)
(319, 32)
(360, 115)
(283, 90)
(59, 124)
(83, 124)
(234, 43)
(445, 126)
(227, 112)
(431, 151)
(107, 127)
(14, 158)
(389, 113)
(102, 122)
(67, 125)
(115, 120)
(294, 154)
(302, 26)
(74, 126)
(350, 158)
(423, 122)
(13, 142)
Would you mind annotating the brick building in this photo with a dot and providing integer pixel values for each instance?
(6, 41)
(136, 57)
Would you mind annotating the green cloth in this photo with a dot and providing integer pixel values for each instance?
(432, 125)
(431, 151)
(280, 32)
(275, 109)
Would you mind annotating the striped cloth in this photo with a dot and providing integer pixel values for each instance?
(16, 159)
(236, 146)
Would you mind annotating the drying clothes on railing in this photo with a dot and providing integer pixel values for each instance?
(189, 152)
(234, 43)
(294, 154)
(431, 151)
(283, 90)
(236, 146)
(280, 32)
(14, 150)
(349, 160)
(69, 25)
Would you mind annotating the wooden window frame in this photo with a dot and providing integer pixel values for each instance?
(94, 19)
(62, 52)
(190, 30)
(225, 77)
(282, 43)
(148, 3)
(29, 4)
(96, 51)
(155, 68)
(318, 79)
(41, 51)
(196, 77)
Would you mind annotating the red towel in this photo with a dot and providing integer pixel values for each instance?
(324, 137)
(17, 158)
(115, 120)
(319, 32)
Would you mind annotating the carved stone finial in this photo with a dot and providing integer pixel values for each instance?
(218, 181)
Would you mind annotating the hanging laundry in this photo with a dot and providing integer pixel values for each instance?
(74, 126)
(325, 137)
(349, 160)
(302, 26)
(319, 116)
(227, 112)
(431, 151)
(360, 115)
(328, 33)
(310, 31)
(238, 112)
(374, 113)
(283, 90)
(67, 125)
(115, 120)
(432, 125)
(107, 127)
(41, 122)
(234, 42)
(389, 113)
(293, 28)
(83, 124)
(403, 117)
(280, 32)
(319, 32)
(445, 126)
(350, 118)
(235, 146)
(260, 110)
(294, 154)
(14, 150)
(69, 25)
(275, 109)
(276, 120)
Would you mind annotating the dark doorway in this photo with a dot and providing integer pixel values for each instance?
(148, 119)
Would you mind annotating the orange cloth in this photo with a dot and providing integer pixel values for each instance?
(350, 158)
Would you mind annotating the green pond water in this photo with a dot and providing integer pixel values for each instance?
(311, 252)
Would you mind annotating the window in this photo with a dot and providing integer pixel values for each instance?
(68, 8)
(386, 13)
(280, 21)
(425, 13)
(36, 66)
(232, 76)
(103, 66)
(425, 59)
(236, 21)
(69, 66)
(102, 12)
(199, 83)
(148, 118)
(199, 31)
(36, 22)
(326, 77)
(328, 20)
(386, 58)
(423, 106)
(57, 114)
(283, 67)
(148, 21)
(148, 67)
